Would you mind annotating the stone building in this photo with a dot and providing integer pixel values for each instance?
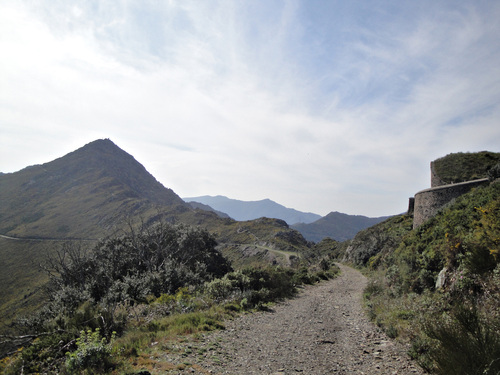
(428, 202)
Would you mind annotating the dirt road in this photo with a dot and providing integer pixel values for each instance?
(322, 331)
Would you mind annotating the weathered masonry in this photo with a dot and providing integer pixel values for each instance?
(467, 171)
(429, 201)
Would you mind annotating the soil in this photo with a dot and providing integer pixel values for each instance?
(324, 330)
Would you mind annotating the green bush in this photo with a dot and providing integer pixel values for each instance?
(373, 288)
(44, 355)
(270, 284)
(93, 353)
(125, 271)
(419, 351)
(232, 285)
(465, 234)
(180, 302)
(303, 276)
(157, 260)
(466, 343)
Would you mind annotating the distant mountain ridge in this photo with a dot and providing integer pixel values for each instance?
(313, 227)
(250, 210)
(336, 225)
(205, 207)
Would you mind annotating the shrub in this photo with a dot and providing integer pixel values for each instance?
(270, 284)
(302, 276)
(182, 301)
(158, 260)
(93, 353)
(466, 343)
(494, 172)
(44, 355)
(125, 271)
(373, 288)
(419, 351)
(232, 284)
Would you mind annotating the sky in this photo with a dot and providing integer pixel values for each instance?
(318, 105)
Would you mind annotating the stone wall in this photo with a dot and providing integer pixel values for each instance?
(435, 179)
(428, 202)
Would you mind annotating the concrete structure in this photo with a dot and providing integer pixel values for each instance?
(435, 179)
(428, 202)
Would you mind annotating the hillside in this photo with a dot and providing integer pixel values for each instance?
(92, 248)
(336, 225)
(437, 287)
(90, 193)
(205, 207)
(377, 241)
(87, 193)
(249, 210)
(98, 191)
(464, 166)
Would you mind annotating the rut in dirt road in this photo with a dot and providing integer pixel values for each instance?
(322, 331)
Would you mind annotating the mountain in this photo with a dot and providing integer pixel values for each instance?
(93, 192)
(336, 225)
(101, 191)
(80, 195)
(205, 207)
(249, 210)
(313, 227)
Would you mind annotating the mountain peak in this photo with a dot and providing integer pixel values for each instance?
(98, 177)
(107, 159)
(104, 142)
(101, 150)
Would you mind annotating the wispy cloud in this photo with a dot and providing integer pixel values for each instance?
(320, 107)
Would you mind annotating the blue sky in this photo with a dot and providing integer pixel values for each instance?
(319, 105)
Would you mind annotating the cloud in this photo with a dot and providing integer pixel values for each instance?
(339, 108)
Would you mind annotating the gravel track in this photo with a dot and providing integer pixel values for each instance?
(324, 330)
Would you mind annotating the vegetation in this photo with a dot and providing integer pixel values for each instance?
(112, 305)
(466, 166)
(21, 279)
(439, 286)
(107, 305)
(100, 191)
(372, 245)
(93, 353)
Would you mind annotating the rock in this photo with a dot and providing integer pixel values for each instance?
(441, 279)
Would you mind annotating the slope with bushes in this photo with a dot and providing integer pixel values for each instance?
(465, 166)
(438, 286)
(97, 192)
(108, 304)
